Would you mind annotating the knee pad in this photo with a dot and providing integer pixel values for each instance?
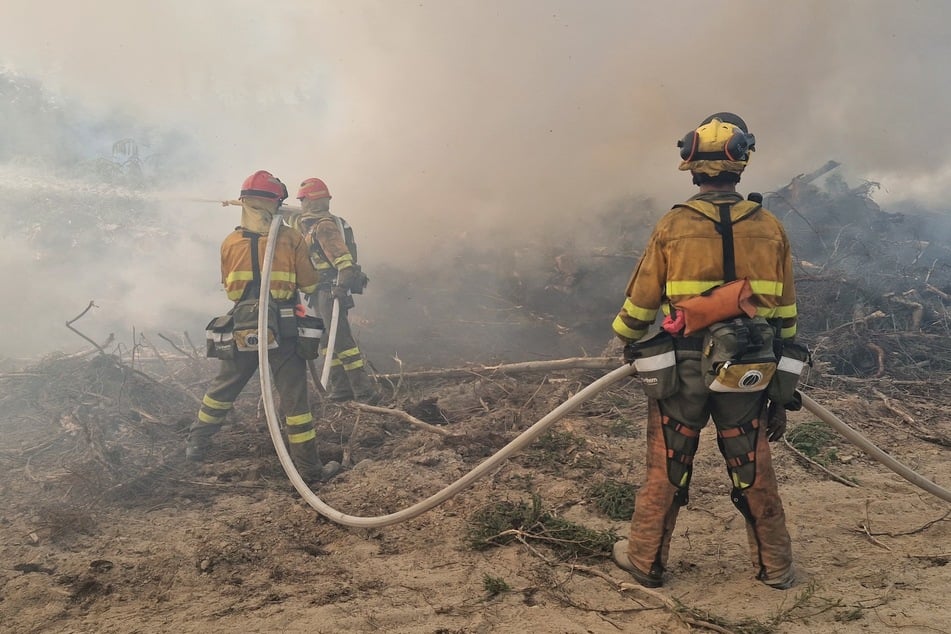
(681, 443)
(738, 447)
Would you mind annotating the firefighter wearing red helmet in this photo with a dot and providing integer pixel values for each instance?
(333, 253)
(242, 255)
(720, 269)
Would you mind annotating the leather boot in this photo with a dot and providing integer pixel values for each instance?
(338, 385)
(365, 389)
(308, 462)
(770, 544)
(656, 508)
(198, 442)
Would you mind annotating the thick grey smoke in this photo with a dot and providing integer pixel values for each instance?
(436, 122)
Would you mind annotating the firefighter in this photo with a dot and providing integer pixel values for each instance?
(700, 244)
(334, 257)
(242, 256)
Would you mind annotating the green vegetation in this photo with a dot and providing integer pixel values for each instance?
(614, 499)
(814, 439)
(505, 522)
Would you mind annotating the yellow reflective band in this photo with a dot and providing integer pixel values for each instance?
(690, 287)
(739, 484)
(239, 276)
(213, 404)
(767, 287)
(786, 311)
(353, 366)
(296, 439)
(763, 311)
(683, 480)
(641, 314)
(621, 329)
(283, 276)
(204, 417)
(344, 259)
(787, 333)
(323, 265)
(349, 352)
(300, 419)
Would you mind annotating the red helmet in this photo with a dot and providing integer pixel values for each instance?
(263, 184)
(313, 189)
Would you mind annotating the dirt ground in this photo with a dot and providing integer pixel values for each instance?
(105, 528)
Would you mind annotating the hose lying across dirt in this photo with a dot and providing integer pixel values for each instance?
(866, 445)
(519, 443)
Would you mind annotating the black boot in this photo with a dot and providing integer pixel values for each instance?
(199, 441)
(338, 388)
(308, 463)
(365, 389)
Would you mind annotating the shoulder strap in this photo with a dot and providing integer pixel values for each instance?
(725, 229)
(255, 286)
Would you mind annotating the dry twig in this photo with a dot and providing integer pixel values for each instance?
(409, 418)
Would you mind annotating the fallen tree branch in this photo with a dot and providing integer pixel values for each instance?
(818, 466)
(69, 324)
(913, 426)
(574, 363)
(409, 418)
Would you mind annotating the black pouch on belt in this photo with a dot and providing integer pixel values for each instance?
(309, 331)
(219, 338)
(656, 364)
(793, 359)
(738, 355)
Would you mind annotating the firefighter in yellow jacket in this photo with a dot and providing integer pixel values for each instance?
(714, 237)
(242, 255)
(339, 276)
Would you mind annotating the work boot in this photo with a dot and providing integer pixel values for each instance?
(199, 441)
(338, 385)
(782, 581)
(308, 463)
(365, 389)
(646, 579)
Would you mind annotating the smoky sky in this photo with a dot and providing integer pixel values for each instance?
(438, 122)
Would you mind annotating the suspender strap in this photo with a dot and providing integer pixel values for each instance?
(725, 227)
(255, 286)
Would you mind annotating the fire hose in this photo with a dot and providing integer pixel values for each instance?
(516, 445)
(331, 342)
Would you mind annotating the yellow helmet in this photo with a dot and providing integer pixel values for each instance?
(721, 143)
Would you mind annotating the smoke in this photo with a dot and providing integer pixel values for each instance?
(453, 122)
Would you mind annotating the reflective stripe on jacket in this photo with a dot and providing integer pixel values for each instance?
(684, 258)
(291, 269)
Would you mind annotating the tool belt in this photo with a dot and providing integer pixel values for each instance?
(738, 355)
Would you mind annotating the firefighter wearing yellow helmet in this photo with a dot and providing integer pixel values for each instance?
(719, 268)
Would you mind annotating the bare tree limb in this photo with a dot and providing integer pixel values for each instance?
(574, 363)
(412, 420)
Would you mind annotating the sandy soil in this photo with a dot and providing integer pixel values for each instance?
(105, 528)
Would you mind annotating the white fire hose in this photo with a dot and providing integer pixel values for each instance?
(331, 342)
(516, 445)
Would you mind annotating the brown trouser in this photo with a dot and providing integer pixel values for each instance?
(673, 433)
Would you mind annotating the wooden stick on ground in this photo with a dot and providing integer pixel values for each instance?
(412, 420)
(574, 363)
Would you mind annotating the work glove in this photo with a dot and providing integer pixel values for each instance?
(775, 421)
(345, 280)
